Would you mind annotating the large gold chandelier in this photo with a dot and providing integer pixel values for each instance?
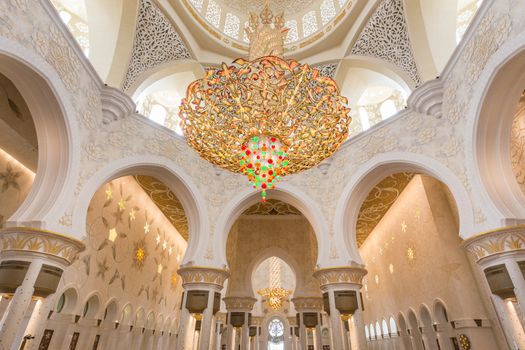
(275, 296)
(266, 117)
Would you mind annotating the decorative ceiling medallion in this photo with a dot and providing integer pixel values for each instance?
(156, 42)
(166, 201)
(377, 203)
(385, 36)
(267, 117)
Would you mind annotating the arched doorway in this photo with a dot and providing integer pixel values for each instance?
(276, 334)
(407, 231)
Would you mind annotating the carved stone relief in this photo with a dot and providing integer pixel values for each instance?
(156, 42)
(386, 37)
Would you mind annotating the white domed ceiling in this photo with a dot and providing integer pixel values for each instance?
(289, 7)
(303, 18)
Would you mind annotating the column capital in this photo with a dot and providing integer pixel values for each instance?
(239, 303)
(201, 275)
(60, 248)
(292, 321)
(308, 303)
(257, 321)
(496, 242)
(340, 275)
(220, 317)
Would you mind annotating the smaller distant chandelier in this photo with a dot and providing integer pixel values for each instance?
(275, 296)
(267, 117)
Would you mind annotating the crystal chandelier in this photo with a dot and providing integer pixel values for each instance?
(267, 117)
(274, 296)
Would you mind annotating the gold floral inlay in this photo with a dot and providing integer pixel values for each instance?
(167, 202)
(411, 254)
(272, 207)
(517, 144)
(139, 253)
(377, 203)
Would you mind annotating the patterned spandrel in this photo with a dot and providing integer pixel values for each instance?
(309, 23)
(327, 11)
(293, 33)
(156, 42)
(213, 13)
(232, 25)
(385, 36)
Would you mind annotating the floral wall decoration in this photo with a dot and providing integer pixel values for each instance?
(401, 252)
(15, 182)
(133, 251)
(517, 144)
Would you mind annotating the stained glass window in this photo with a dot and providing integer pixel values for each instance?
(327, 11)
(293, 34)
(276, 328)
(231, 25)
(309, 23)
(213, 13)
(197, 4)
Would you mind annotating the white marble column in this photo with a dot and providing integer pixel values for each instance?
(246, 332)
(517, 280)
(303, 336)
(335, 322)
(218, 337)
(17, 308)
(258, 338)
(357, 327)
(229, 334)
(206, 323)
(508, 255)
(318, 333)
(183, 324)
(237, 339)
(346, 342)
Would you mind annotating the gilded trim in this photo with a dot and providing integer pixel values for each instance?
(28, 239)
(502, 240)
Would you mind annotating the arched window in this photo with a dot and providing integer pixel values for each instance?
(441, 313)
(213, 13)
(275, 335)
(393, 326)
(293, 34)
(387, 109)
(232, 25)
(197, 4)
(465, 14)
(372, 332)
(244, 35)
(378, 329)
(309, 23)
(363, 117)
(367, 335)
(74, 15)
(158, 114)
(327, 11)
(385, 329)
